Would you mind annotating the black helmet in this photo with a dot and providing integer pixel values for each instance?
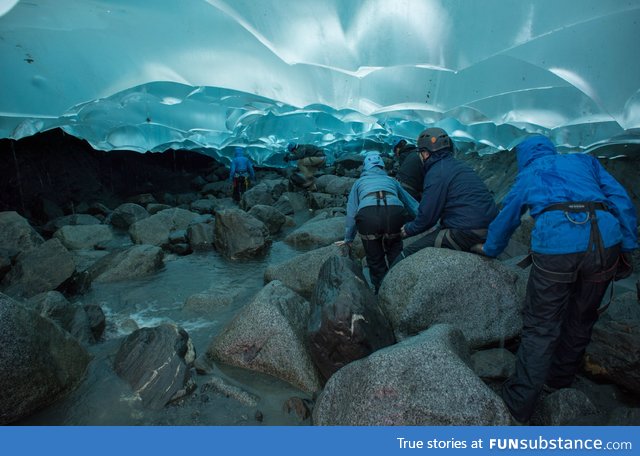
(434, 139)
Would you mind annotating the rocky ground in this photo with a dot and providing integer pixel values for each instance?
(421, 353)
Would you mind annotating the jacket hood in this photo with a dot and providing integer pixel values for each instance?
(239, 152)
(532, 148)
(372, 160)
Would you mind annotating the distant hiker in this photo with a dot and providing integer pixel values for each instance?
(409, 168)
(309, 160)
(453, 195)
(583, 220)
(240, 173)
(377, 207)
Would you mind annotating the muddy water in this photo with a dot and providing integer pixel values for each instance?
(104, 399)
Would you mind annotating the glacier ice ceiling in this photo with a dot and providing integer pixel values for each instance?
(208, 75)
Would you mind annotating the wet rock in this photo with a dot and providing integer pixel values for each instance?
(299, 407)
(156, 207)
(156, 229)
(268, 336)
(260, 194)
(39, 362)
(270, 216)
(133, 262)
(495, 363)
(290, 203)
(16, 234)
(318, 233)
(97, 319)
(562, 407)
(423, 381)
(127, 214)
(480, 296)
(73, 220)
(70, 317)
(346, 321)
(335, 185)
(156, 362)
(39, 269)
(240, 235)
(203, 206)
(76, 237)
(201, 233)
(222, 386)
(300, 273)
(325, 200)
(207, 303)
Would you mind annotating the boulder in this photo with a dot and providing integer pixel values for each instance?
(270, 216)
(562, 407)
(300, 273)
(319, 233)
(290, 202)
(73, 219)
(207, 303)
(268, 336)
(70, 317)
(240, 235)
(260, 194)
(136, 261)
(494, 363)
(39, 269)
(16, 234)
(319, 200)
(156, 363)
(204, 206)
(127, 214)
(40, 363)
(478, 295)
(200, 233)
(76, 237)
(424, 380)
(346, 321)
(335, 185)
(156, 229)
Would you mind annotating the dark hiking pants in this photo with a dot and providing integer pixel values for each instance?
(446, 238)
(379, 227)
(561, 307)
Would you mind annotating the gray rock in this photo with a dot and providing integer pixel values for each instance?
(624, 416)
(156, 207)
(207, 303)
(480, 296)
(260, 194)
(268, 336)
(156, 362)
(155, 230)
(222, 386)
(40, 269)
(128, 213)
(240, 235)
(290, 203)
(136, 261)
(318, 233)
(300, 273)
(495, 363)
(422, 381)
(334, 185)
(562, 407)
(70, 317)
(76, 237)
(346, 321)
(201, 234)
(73, 219)
(203, 206)
(39, 362)
(97, 319)
(16, 235)
(270, 216)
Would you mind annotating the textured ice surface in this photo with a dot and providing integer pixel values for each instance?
(207, 75)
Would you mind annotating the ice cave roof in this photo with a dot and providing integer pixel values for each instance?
(203, 75)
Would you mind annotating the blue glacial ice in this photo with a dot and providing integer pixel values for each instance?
(208, 75)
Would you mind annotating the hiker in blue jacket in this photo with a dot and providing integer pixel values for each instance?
(377, 207)
(456, 206)
(240, 173)
(583, 220)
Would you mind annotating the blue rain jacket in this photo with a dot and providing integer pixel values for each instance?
(453, 194)
(546, 177)
(241, 165)
(371, 181)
